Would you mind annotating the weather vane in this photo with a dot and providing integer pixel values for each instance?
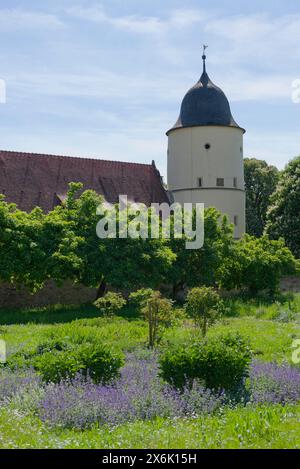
(204, 57)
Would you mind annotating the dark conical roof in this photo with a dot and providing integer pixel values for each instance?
(205, 104)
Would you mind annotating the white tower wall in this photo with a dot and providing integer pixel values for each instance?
(191, 164)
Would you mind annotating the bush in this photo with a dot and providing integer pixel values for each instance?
(140, 297)
(156, 310)
(88, 359)
(110, 303)
(220, 363)
(256, 264)
(26, 357)
(203, 305)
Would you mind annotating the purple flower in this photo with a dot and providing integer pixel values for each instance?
(139, 394)
(272, 383)
(13, 383)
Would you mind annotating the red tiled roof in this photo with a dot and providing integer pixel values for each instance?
(30, 179)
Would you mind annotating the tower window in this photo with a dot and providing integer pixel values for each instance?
(235, 182)
(207, 146)
(199, 182)
(235, 220)
(220, 182)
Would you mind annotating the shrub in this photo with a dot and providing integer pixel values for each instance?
(110, 303)
(203, 305)
(27, 356)
(140, 297)
(157, 312)
(88, 359)
(220, 363)
(256, 264)
(139, 394)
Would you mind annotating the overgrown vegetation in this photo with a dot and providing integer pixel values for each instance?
(204, 306)
(63, 244)
(157, 311)
(134, 398)
(219, 363)
(135, 361)
(283, 219)
(110, 303)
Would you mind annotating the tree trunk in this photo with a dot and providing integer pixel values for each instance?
(177, 287)
(101, 290)
(150, 319)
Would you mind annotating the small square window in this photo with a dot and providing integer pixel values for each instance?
(236, 220)
(199, 182)
(235, 182)
(220, 182)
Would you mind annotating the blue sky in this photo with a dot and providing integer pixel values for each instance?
(106, 79)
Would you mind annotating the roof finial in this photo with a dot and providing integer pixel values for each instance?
(204, 57)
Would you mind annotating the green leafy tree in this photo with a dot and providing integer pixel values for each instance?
(261, 180)
(63, 244)
(283, 219)
(33, 247)
(198, 266)
(124, 263)
(203, 305)
(256, 264)
(157, 311)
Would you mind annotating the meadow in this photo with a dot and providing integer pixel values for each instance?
(271, 327)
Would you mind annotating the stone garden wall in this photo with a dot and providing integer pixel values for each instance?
(51, 294)
(70, 294)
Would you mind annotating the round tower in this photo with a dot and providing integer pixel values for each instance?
(205, 153)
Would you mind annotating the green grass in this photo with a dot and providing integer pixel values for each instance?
(270, 339)
(262, 427)
(263, 307)
(248, 427)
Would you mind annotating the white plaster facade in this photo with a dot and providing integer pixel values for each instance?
(193, 169)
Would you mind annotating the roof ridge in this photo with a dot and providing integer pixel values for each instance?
(75, 158)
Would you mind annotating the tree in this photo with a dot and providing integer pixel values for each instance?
(260, 183)
(123, 263)
(283, 219)
(63, 244)
(256, 264)
(198, 266)
(32, 247)
(203, 305)
(157, 312)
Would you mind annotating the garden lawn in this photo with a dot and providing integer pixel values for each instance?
(262, 427)
(271, 340)
(268, 426)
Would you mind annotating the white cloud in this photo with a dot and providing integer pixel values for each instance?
(260, 38)
(238, 37)
(99, 85)
(242, 86)
(130, 23)
(181, 18)
(18, 19)
(276, 147)
(140, 89)
(94, 144)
